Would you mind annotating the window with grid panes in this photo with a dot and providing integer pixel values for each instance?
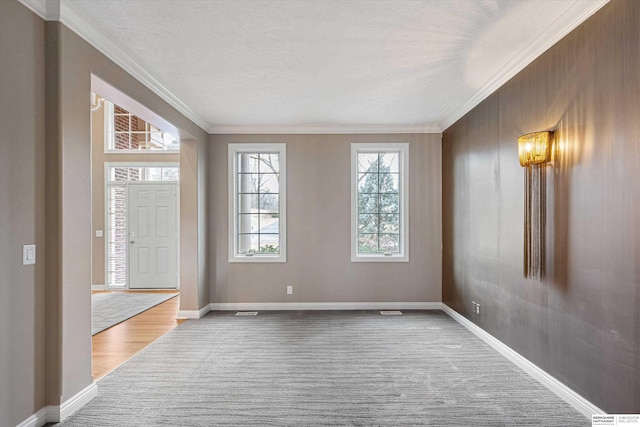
(126, 132)
(257, 202)
(379, 203)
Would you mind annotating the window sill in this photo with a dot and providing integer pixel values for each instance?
(258, 258)
(379, 258)
(142, 152)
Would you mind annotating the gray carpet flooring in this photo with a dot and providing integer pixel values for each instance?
(109, 309)
(322, 368)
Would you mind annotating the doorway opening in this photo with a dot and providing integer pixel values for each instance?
(141, 224)
(135, 186)
(131, 148)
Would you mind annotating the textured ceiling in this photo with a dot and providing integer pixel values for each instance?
(245, 65)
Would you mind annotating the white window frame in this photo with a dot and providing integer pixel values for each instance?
(403, 149)
(108, 108)
(109, 165)
(233, 150)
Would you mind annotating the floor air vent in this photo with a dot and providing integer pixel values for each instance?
(391, 313)
(246, 313)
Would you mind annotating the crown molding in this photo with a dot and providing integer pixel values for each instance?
(65, 12)
(323, 129)
(36, 6)
(79, 24)
(578, 13)
(49, 10)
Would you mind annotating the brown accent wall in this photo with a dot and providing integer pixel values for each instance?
(22, 218)
(581, 324)
(319, 263)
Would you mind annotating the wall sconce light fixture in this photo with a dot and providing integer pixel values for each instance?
(96, 101)
(534, 150)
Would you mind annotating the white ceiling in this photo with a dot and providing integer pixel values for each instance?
(325, 65)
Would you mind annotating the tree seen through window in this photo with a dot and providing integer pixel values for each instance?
(378, 202)
(258, 203)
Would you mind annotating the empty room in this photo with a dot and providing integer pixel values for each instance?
(319, 212)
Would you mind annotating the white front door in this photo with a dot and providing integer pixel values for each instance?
(153, 236)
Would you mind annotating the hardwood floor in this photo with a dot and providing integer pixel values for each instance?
(116, 345)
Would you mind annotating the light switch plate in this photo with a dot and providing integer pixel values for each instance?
(99, 233)
(28, 254)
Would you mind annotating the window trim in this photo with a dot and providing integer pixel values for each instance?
(109, 165)
(403, 149)
(233, 150)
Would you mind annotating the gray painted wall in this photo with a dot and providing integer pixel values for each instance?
(22, 303)
(194, 288)
(581, 324)
(319, 263)
(202, 211)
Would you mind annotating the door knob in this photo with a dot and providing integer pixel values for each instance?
(132, 241)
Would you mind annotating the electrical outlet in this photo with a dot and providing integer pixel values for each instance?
(289, 290)
(476, 308)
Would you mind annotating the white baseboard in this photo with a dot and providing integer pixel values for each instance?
(56, 414)
(266, 306)
(98, 287)
(36, 420)
(194, 314)
(581, 404)
(70, 406)
(59, 413)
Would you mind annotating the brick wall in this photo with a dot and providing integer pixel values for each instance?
(126, 173)
(124, 124)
